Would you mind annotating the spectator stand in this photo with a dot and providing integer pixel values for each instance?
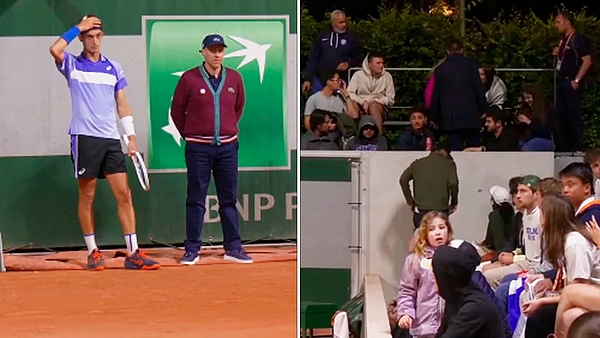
(412, 87)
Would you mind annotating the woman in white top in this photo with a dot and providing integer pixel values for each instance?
(579, 298)
(570, 251)
(495, 89)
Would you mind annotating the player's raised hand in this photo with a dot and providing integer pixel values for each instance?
(88, 23)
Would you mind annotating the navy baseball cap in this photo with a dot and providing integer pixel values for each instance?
(213, 40)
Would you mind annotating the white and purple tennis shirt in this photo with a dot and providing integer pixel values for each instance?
(93, 86)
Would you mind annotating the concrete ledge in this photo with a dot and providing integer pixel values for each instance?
(376, 323)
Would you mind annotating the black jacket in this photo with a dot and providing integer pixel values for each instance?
(469, 312)
(411, 140)
(329, 50)
(458, 99)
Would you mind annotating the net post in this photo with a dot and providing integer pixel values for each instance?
(2, 267)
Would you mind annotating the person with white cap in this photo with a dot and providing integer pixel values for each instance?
(500, 220)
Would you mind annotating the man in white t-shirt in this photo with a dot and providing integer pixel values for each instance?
(530, 250)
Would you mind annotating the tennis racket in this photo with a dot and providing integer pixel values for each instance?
(140, 167)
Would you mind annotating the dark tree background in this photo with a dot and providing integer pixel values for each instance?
(484, 10)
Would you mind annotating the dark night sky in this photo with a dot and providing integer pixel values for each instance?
(484, 11)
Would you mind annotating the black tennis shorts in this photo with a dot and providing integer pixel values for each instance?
(96, 157)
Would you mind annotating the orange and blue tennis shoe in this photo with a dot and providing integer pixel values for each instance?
(95, 261)
(139, 261)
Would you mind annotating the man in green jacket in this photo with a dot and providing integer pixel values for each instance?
(435, 183)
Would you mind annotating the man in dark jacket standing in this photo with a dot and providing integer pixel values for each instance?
(207, 105)
(435, 183)
(458, 99)
(336, 49)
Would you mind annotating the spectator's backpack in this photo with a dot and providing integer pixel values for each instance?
(594, 71)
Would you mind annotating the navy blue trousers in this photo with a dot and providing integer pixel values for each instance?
(222, 161)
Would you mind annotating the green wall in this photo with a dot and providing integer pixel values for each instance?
(39, 205)
(123, 17)
(38, 194)
(325, 261)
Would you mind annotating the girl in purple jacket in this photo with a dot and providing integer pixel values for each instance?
(420, 307)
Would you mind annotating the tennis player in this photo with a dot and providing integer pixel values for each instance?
(96, 83)
(207, 105)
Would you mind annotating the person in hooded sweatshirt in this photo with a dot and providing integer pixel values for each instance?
(336, 49)
(368, 138)
(372, 89)
(478, 280)
(468, 312)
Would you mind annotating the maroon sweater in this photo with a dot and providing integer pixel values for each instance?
(193, 107)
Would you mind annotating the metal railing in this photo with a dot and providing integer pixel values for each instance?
(403, 69)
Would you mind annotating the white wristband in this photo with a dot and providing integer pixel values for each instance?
(127, 123)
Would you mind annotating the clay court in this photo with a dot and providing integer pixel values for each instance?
(212, 299)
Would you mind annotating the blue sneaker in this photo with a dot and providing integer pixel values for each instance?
(95, 261)
(190, 258)
(139, 261)
(238, 256)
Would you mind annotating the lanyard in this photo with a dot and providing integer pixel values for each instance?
(562, 47)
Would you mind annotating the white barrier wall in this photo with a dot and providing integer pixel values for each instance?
(386, 219)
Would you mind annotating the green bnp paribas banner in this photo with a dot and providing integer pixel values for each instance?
(256, 49)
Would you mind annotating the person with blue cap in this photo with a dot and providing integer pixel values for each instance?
(207, 106)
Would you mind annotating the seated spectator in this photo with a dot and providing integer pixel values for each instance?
(372, 89)
(500, 220)
(547, 186)
(535, 121)
(575, 300)
(502, 137)
(495, 89)
(571, 253)
(369, 138)
(468, 312)
(333, 98)
(479, 280)
(592, 158)
(528, 255)
(318, 136)
(418, 136)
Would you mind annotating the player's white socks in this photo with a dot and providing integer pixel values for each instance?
(90, 242)
(131, 242)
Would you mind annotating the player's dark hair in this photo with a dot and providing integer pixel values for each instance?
(513, 184)
(417, 109)
(567, 16)
(375, 55)
(455, 46)
(591, 156)
(496, 114)
(326, 76)
(97, 17)
(317, 117)
(581, 171)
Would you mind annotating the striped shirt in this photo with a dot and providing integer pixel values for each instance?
(93, 86)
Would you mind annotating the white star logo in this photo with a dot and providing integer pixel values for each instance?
(253, 51)
(172, 130)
